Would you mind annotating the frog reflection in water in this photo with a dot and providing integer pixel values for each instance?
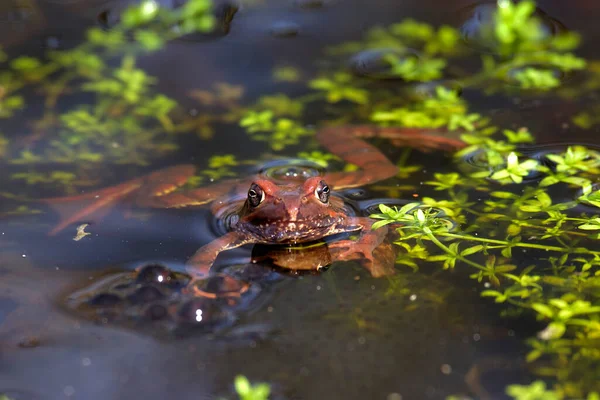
(275, 212)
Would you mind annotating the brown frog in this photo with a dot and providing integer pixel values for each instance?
(280, 212)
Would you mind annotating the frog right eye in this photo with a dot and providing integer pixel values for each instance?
(322, 192)
(255, 195)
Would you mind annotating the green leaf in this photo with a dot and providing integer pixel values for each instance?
(543, 309)
(471, 250)
(242, 385)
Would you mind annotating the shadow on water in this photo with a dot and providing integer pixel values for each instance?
(89, 319)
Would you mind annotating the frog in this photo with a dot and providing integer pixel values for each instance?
(282, 212)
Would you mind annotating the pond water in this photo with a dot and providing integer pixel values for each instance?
(111, 314)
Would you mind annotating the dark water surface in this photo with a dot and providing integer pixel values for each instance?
(336, 334)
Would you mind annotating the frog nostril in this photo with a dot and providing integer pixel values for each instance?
(304, 199)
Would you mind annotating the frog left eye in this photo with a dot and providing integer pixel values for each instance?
(322, 192)
(255, 195)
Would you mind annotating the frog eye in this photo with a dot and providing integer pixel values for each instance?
(255, 195)
(322, 192)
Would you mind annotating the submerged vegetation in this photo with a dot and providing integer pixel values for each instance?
(525, 226)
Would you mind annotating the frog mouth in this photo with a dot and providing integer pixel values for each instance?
(301, 231)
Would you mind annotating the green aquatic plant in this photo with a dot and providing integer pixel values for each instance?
(524, 56)
(445, 109)
(340, 87)
(514, 171)
(318, 157)
(128, 122)
(558, 289)
(529, 57)
(246, 391)
(286, 74)
(220, 166)
(536, 391)
(278, 132)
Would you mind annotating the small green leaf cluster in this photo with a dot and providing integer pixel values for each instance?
(405, 35)
(499, 161)
(516, 29)
(286, 73)
(535, 391)
(318, 157)
(397, 44)
(445, 109)
(538, 391)
(220, 166)
(152, 24)
(272, 127)
(529, 56)
(340, 87)
(246, 391)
